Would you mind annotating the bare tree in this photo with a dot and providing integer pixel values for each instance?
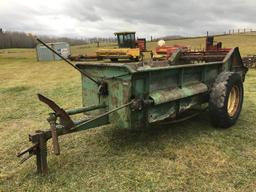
(13, 39)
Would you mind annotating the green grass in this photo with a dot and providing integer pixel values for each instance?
(190, 156)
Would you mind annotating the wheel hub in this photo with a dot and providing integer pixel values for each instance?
(233, 101)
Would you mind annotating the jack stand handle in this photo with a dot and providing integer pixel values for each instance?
(41, 153)
(55, 143)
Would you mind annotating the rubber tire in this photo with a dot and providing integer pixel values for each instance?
(114, 59)
(218, 100)
(136, 59)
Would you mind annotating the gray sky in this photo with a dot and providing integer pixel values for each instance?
(99, 18)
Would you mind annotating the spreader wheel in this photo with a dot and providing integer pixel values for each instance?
(226, 99)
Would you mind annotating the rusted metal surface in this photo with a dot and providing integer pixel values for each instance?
(55, 143)
(165, 52)
(64, 117)
(202, 56)
(211, 45)
(141, 44)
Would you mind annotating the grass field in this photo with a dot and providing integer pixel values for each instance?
(190, 156)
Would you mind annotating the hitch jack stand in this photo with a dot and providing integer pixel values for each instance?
(40, 151)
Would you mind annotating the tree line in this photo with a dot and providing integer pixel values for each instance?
(14, 39)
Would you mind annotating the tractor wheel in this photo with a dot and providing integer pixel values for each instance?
(136, 59)
(226, 99)
(114, 59)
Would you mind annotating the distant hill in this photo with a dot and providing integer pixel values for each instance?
(170, 37)
(245, 41)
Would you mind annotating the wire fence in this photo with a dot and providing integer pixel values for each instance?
(242, 31)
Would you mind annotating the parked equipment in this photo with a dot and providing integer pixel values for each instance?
(164, 52)
(128, 49)
(143, 94)
(211, 45)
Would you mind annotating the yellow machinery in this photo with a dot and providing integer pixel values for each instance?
(128, 48)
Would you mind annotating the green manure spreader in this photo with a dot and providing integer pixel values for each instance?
(137, 95)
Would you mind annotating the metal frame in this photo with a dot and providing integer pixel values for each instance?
(131, 96)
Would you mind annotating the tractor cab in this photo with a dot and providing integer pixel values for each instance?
(126, 39)
(128, 48)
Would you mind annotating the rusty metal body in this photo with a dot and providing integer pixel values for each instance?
(135, 95)
(211, 45)
(165, 52)
(172, 86)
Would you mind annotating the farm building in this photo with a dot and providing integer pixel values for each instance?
(44, 54)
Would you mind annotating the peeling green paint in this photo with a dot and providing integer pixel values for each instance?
(168, 95)
(173, 88)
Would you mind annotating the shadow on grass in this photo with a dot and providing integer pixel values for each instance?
(14, 90)
(110, 144)
(158, 137)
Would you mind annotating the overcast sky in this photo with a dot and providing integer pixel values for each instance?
(100, 18)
